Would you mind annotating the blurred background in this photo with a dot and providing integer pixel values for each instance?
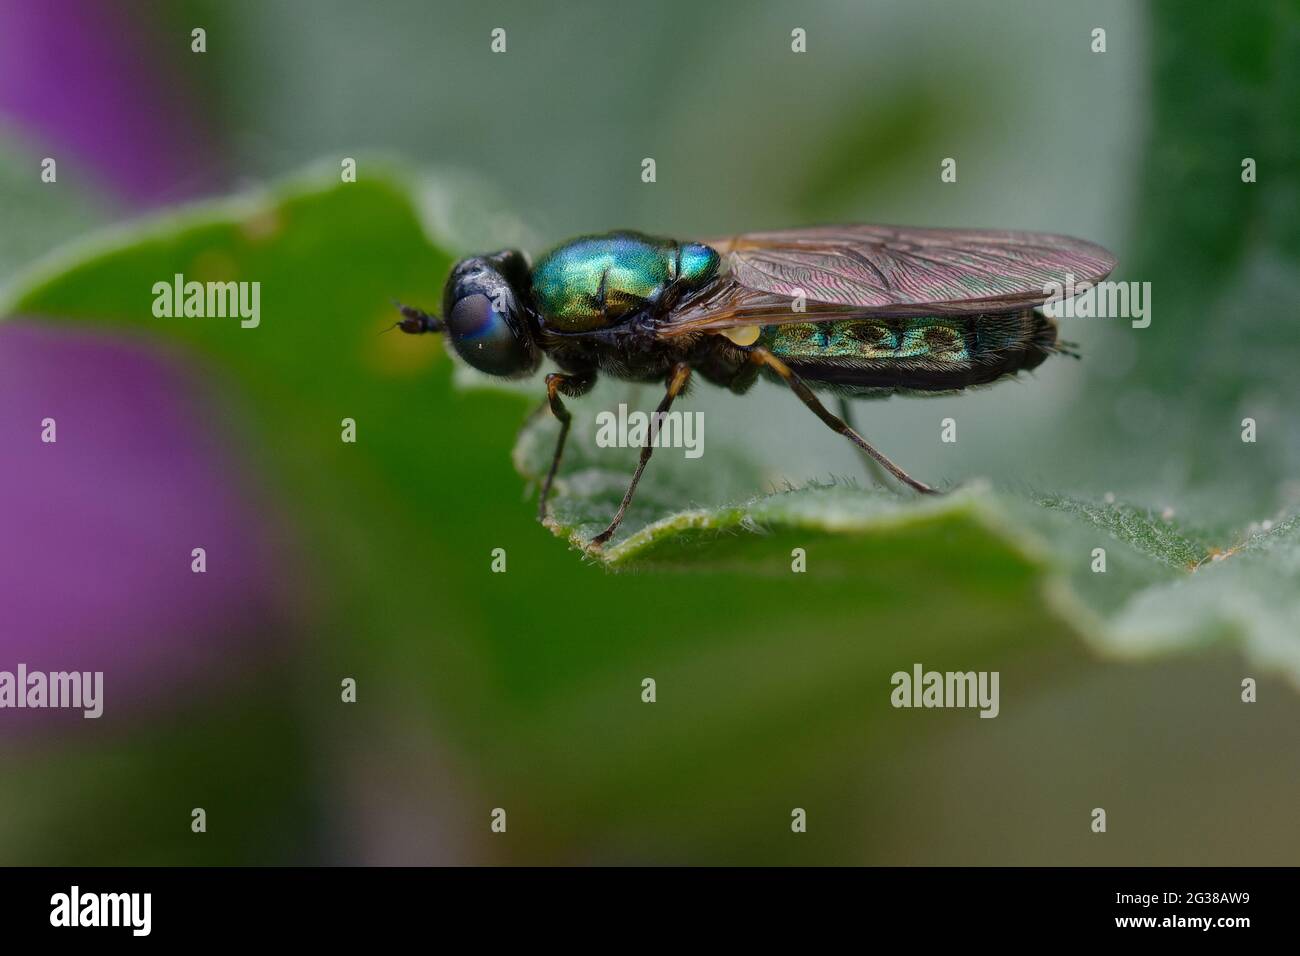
(522, 690)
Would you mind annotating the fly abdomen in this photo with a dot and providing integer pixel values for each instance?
(922, 354)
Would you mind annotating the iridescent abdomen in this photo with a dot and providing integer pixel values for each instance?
(930, 353)
(595, 281)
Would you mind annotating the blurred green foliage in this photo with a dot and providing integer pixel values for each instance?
(1222, 255)
(36, 220)
(533, 675)
(522, 690)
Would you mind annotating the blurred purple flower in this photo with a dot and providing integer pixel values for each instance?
(97, 528)
(103, 81)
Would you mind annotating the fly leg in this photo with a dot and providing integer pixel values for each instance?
(874, 472)
(761, 356)
(573, 386)
(677, 380)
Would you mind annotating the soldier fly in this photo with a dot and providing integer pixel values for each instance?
(862, 311)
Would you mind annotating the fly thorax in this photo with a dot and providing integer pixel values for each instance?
(599, 281)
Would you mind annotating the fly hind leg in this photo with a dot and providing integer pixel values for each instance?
(763, 357)
(875, 473)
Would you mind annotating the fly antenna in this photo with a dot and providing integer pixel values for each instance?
(415, 321)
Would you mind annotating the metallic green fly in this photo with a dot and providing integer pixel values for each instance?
(862, 311)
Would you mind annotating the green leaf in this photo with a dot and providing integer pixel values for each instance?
(1220, 256)
(38, 215)
(1151, 560)
(397, 533)
(527, 683)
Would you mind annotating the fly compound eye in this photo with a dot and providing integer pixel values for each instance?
(487, 336)
(486, 312)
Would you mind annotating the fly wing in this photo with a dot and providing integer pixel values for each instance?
(728, 304)
(853, 270)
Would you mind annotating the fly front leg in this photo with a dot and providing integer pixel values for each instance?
(573, 386)
(677, 379)
(761, 356)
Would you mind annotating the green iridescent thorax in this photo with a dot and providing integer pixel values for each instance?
(595, 281)
(933, 338)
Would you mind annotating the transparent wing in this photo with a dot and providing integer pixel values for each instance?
(851, 270)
